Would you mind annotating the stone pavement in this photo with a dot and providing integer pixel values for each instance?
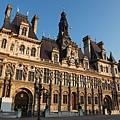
(89, 117)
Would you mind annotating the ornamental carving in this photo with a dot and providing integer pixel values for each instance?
(10, 70)
(38, 74)
(25, 71)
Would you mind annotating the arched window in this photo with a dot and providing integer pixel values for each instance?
(55, 58)
(24, 31)
(33, 52)
(101, 67)
(11, 47)
(3, 45)
(106, 69)
(22, 49)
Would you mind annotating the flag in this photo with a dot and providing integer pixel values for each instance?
(71, 28)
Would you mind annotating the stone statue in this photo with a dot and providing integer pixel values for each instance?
(25, 70)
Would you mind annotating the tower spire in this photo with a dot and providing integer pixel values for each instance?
(63, 25)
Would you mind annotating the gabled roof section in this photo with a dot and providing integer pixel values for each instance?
(95, 50)
(15, 25)
(47, 47)
(112, 59)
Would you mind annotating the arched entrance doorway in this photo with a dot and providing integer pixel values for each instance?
(23, 100)
(73, 101)
(107, 104)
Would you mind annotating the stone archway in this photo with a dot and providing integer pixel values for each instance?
(23, 100)
(107, 103)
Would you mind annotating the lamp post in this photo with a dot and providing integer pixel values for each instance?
(39, 90)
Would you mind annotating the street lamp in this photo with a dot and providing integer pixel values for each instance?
(39, 90)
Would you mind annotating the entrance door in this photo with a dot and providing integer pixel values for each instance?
(21, 101)
(73, 101)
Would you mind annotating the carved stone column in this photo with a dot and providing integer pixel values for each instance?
(85, 96)
(38, 79)
(60, 93)
(69, 95)
(92, 91)
(9, 72)
(78, 92)
(100, 101)
(50, 88)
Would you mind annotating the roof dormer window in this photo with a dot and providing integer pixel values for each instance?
(22, 49)
(24, 31)
(55, 58)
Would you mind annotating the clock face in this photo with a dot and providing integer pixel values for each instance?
(65, 41)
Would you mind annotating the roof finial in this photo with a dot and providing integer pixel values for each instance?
(95, 40)
(27, 13)
(42, 33)
(54, 37)
(18, 9)
(63, 9)
(49, 35)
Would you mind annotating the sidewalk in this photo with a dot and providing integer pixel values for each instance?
(88, 117)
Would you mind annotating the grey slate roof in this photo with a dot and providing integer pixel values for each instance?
(15, 25)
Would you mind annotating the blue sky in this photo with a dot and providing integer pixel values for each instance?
(98, 18)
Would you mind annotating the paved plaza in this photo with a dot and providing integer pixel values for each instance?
(89, 117)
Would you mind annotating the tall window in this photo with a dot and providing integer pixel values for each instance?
(65, 99)
(33, 52)
(24, 31)
(22, 49)
(96, 100)
(3, 45)
(66, 78)
(31, 76)
(101, 67)
(46, 75)
(81, 81)
(82, 99)
(106, 69)
(89, 99)
(55, 58)
(55, 98)
(1, 67)
(95, 83)
(19, 74)
(56, 77)
(74, 79)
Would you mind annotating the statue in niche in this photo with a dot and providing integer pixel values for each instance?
(25, 70)
(10, 70)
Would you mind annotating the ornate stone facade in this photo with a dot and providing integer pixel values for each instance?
(70, 76)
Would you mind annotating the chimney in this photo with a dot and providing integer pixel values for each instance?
(34, 23)
(8, 12)
(87, 48)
